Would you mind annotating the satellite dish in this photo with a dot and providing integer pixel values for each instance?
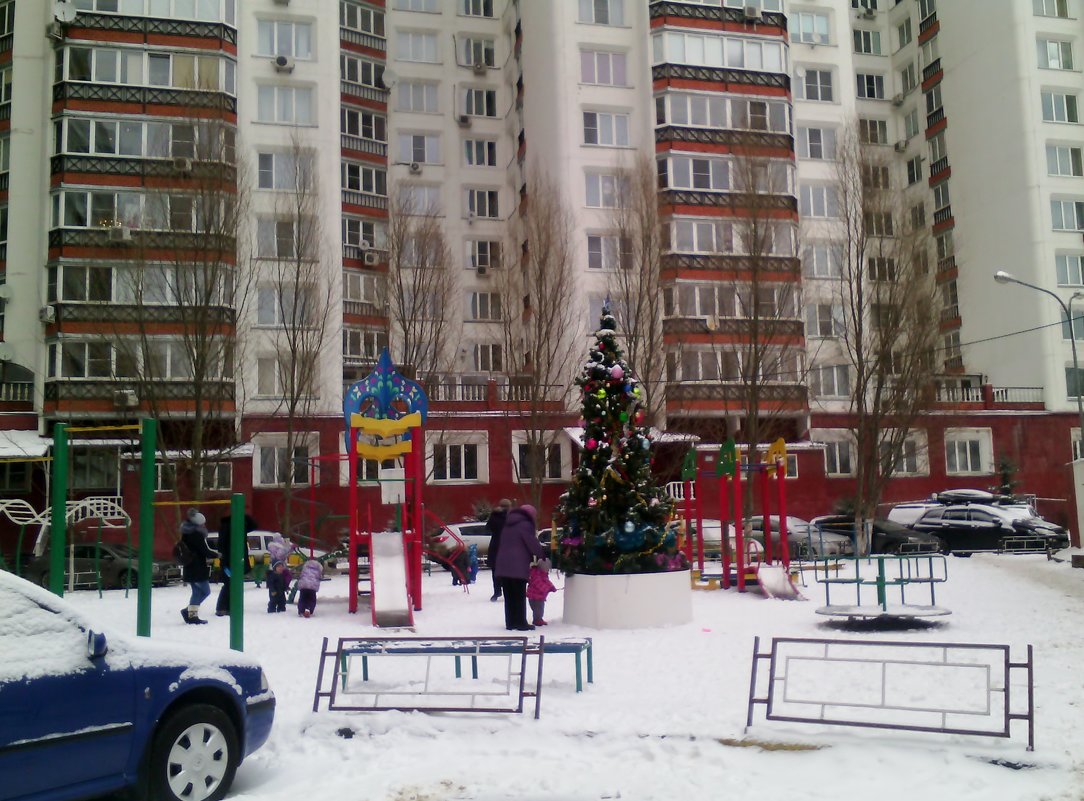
(390, 79)
(64, 12)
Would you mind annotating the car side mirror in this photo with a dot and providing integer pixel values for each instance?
(97, 647)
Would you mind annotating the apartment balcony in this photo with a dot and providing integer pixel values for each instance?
(364, 92)
(724, 137)
(735, 392)
(942, 215)
(946, 265)
(665, 8)
(142, 241)
(770, 325)
(935, 117)
(155, 26)
(6, 42)
(722, 75)
(954, 364)
(67, 389)
(732, 200)
(16, 392)
(732, 264)
(119, 314)
(988, 397)
(192, 99)
(144, 167)
(939, 166)
(357, 143)
(931, 69)
(950, 313)
(364, 308)
(928, 23)
(362, 39)
(352, 197)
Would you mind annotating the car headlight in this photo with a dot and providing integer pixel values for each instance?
(264, 686)
(155, 568)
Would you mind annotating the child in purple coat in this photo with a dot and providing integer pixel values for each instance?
(308, 583)
(538, 587)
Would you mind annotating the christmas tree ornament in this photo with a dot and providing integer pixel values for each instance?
(601, 394)
(616, 372)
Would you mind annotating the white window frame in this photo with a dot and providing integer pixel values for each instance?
(1067, 215)
(1070, 269)
(553, 440)
(602, 12)
(484, 307)
(421, 47)
(809, 27)
(1055, 54)
(1064, 160)
(604, 68)
(270, 457)
(817, 143)
(289, 105)
(453, 445)
(479, 152)
(280, 37)
(605, 128)
(818, 201)
(418, 97)
(1062, 107)
(603, 190)
(969, 452)
(822, 80)
(867, 42)
(420, 147)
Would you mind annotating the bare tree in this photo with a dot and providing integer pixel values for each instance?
(295, 300)
(540, 325)
(422, 288)
(889, 305)
(634, 260)
(187, 287)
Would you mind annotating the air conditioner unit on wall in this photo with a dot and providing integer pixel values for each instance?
(900, 146)
(415, 168)
(479, 68)
(125, 399)
(47, 314)
(481, 269)
(897, 100)
(370, 258)
(753, 13)
(120, 234)
(182, 165)
(463, 120)
(868, 13)
(283, 64)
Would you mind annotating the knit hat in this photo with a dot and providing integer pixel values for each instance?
(196, 517)
(504, 504)
(276, 563)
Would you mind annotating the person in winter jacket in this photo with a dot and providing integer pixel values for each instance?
(280, 550)
(225, 537)
(494, 525)
(197, 573)
(276, 588)
(308, 584)
(538, 587)
(519, 543)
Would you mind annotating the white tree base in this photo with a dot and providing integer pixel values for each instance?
(632, 601)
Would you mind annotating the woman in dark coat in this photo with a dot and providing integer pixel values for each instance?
(494, 525)
(197, 573)
(225, 539)
(519, 543)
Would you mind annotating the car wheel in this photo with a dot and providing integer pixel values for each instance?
(961, 555)
(43, 579)
(194, 755)
(127, 578)
(892, 548)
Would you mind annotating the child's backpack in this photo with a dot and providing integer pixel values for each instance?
(182, 553)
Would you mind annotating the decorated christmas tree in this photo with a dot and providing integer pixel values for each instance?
(614, 514)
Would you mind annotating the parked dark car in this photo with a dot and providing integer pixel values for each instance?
(83, 716)
(966, 528)
(119, 566)
(887, 537)
(804, 541)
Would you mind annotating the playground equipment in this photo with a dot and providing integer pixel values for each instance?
(750, 564)
(384, 413)
(885, 575)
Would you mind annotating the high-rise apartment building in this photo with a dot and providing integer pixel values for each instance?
(191, 188)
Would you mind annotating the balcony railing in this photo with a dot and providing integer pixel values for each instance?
(959, 395)
(201, 242)
(355, 198)
(931, 69)
(734, 200)
(735, 392)
(17, 391)
(366, 92)
(363, 308)
(138, 167)
(121, 313)
(721, 136)
(946, 264)
(67, 389)
(144, 95)
(361, 145)
(363, 39)
(954, 362)
(449, 391)
(951, 312)
(927, 23)
(1018, 395)
(939, 166)
(685, 72)
(667, 8)
(942, 215)
(732, 264)
(935, 117)
(156, 25)
(768, 325)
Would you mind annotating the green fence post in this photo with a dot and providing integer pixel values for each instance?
(237, 571)
(58, 522)
(148, 433)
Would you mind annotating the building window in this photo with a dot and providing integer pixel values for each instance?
(424, 6)
(926, 8)
(837, 459)
(477, 52)
(359, 71)
(480, 153)
(817, 143)
(911, 124)
(918, 216)
(278, 463)
(1074, 382)
(875, 176)
(608, 252)
(867, 42)
(456, 462)
(483, 254)
(602, 12)
(1055, 55)
(964, 451)
(1069, 330)
(420, 148)
(95, 468)
(81, 284)
(602, 68)
(830, 382)
(711, 174)
(363, 124)
(476, 8)
(822, 261)
(903, 32)
(881, 268)
(488, 358)
(286, 305)
(361, 287)
(1058, 107)
(906, 461)
(282, 38)
(14, 476)
(941, 196)
(1064, 160)
(357, 177)
(362, 346)
(809, 27)
(873, 132)
(603, 191)
(1068, 215)
(357, 231)
(878, 223)
(914, 170)
(277, 239)
(216, 476)
(1051, 8)
(284, 171)
(417, 46)
(419, 199)
(542, 460)
(165, 477)
(1070, 269)
(482, 203)
(714, 50)
(417, 96)
(908, 77)
(815, 85)
(604, 128)
(485, 306)
(818, 201)
(480, 102)
(824, 320)
(288, 105)
(361, 18)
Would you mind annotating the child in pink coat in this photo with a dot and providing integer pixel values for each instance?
(538, 587)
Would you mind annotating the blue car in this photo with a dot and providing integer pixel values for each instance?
(82, 715)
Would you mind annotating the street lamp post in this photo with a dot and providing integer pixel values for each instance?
(1003, 277)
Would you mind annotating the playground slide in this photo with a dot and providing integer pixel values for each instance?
(388, 566)
(776, 582)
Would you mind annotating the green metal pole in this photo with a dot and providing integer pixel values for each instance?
(237, 571)
(59, 517)
(98, 558)
(148, 433)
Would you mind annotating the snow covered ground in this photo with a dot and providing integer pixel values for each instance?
(665, 717)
